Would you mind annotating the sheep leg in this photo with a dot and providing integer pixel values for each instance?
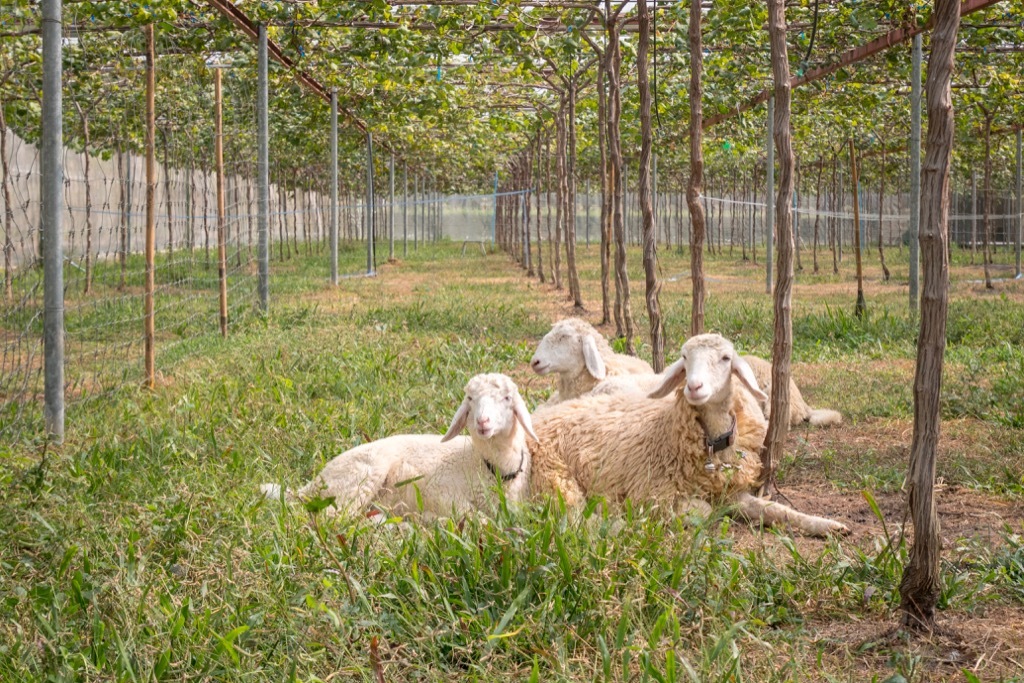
(773, 514)
(354, 480)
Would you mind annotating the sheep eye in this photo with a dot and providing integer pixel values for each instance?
(726, 359)
(508, 398)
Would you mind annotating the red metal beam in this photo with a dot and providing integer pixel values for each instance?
(249, 28)
(857, 54)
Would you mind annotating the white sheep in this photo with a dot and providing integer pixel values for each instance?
(451, 473)
(799, 411)
(689, 452)
(581, 358)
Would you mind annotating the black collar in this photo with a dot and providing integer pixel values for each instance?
(507, 477)
(721, 442)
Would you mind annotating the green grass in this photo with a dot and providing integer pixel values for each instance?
(140, 550)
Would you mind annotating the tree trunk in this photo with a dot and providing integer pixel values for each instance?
(796, 219)
(649, 229)
(782, 348)
(540, 241)
(881, 215)
(561, 190)
(624, 320)
(88, 204)
(919, 589)
(547, 191)
(8, 211)
(606, 195)
(861, 305)
(987, 190)
(125, 211)
(167, 202)
(836, 208)
(570, 219)
(817, 212)
(693, 189)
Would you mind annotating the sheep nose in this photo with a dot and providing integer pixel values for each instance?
(535, 362)
(483, 422)
(694, 386)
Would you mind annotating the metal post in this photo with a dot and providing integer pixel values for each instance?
(369, 204)
(391, 211)
(222, 266)
(769, 221)
(334, 187)
(51, 193)
(494, 218)
(416, 211)
(405, 208)
(149, 313)
(263, 172)
(1020, 207)
(526, 229)
(915, 173)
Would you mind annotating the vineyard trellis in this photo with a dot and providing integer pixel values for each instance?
(149, 175)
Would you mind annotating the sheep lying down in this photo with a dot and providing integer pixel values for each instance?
(799, 411)
(689, 452)
(451, 473)
(580, 357)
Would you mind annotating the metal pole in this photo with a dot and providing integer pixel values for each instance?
(391, 211)
(51, 193)
(263, 172)
(222, 266)
(416, 211)
(1020, 207)
(369, 204)
(769, 197)
(494, 218)
(915, 173)
(334, 187)
(405, 208)
(150, 321)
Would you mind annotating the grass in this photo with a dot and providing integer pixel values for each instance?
(140, 549)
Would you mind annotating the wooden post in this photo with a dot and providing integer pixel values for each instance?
(222, 265)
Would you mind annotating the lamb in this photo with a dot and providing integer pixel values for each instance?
(689, 452)
(581, 358)
(799, 411)
(452, 473)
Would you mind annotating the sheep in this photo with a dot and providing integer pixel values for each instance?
(799, 411)
(581, 358)
(688, 452)
(451, 473)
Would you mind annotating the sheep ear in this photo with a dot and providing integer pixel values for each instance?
(592, 358)
(746, 375)
(675, 375)
(458, 422)
(523, 415)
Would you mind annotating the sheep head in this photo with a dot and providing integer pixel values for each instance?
(491, 406)
(571, 347)
(705, 366)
